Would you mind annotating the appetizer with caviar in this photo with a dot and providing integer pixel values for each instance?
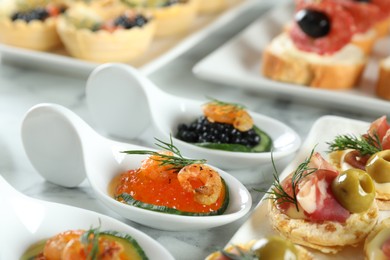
(31, 25)
(382, 25)
(214, 6)
(364, 15)
(86, 244)
(169, 183)
(369, 152)
(377, 243)
(316, 49)
(90, 33)
(225, 126)
(173, 17)
(321, 208)
(270, 248)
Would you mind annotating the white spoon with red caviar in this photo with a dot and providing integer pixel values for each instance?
(25, 221)
(65, 150)
(124, 104)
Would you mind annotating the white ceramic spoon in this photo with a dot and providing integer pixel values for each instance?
(124, 103)
(54, 137)
(25, 221)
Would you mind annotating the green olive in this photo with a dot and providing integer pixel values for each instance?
(274, 248)
(378, 166)
(354, 190)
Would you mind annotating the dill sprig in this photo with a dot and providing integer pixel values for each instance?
(176, 161)
(223, 103)
(367, 145)
(90, 239)
(279, 194)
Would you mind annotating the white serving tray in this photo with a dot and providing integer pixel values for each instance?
(160, 53)
(237, 64)
(324, 130)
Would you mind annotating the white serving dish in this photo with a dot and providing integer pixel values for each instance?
(160, 53)
(324, 130)
(241, 57)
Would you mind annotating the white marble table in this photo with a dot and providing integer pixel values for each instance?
(21, 88)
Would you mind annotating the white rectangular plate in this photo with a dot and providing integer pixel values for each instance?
(324, 130)
(237, 63)
(160, 53)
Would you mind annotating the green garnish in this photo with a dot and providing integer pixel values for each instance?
(145, 3)
(91, 238)
(223, 103)
(177, 161)
(243, 255)
(279, 194)
(367, 145)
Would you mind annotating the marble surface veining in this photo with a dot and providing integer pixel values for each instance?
(22, 88)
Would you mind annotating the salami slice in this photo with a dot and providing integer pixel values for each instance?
(384, 6)
(364, 14)
(342, 28)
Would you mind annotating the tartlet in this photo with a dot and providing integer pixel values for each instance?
(214, 6)
(37, 34)
(82, 40)
(369, 152)
(376, 245)
(318, 207)
(241, 251)
(175, 18)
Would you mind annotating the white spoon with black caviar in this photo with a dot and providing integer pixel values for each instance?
(124, 104)
(65, 150)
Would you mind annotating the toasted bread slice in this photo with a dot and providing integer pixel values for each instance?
(383, 83)
(382, 28)
(365, 41)
(282, 61)
(326, 236)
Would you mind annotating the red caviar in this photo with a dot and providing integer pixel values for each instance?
(165, 191)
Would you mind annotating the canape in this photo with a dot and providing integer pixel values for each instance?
(89, 35)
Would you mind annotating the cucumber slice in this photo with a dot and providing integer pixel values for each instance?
(132, 250)
(265, 144)
(34, 250)
(128, 199)
(131, 247)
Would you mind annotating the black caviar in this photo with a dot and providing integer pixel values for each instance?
(28, 16)
(130, 22)
(204, 131)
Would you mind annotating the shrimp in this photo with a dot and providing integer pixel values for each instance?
(68, 246)
(55, 245)
(228, 114)
(211, 184)
(152, 168)
(107, 250)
